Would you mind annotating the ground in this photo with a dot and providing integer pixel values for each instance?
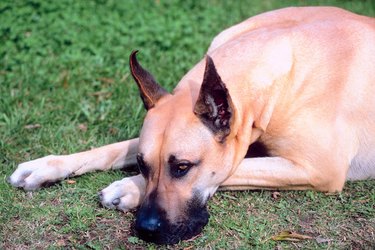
(65, 87)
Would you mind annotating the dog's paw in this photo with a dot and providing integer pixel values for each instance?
(125, 194)
(33, 174)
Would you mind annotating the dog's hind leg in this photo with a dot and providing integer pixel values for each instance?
(279, 173)
(33, 174)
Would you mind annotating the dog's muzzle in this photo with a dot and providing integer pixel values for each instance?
(152, 224)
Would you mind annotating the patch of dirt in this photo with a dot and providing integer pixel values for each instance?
(107, 233)
(355, 233)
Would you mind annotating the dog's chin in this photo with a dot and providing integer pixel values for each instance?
(196, 217)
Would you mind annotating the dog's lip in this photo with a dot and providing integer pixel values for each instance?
(189, 223)
(169, 238)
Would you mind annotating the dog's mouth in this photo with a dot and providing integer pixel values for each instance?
(151, 224)
(174, 233)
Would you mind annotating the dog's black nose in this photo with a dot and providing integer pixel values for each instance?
(148, 225)
(150, 219)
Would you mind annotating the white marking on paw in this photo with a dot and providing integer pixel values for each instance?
(125, 194)
(32, 175)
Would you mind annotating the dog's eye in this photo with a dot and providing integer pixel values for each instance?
(143, 168)
(180, 169)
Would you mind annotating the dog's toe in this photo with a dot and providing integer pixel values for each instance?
(34, 174)
(123, 195)
(115, 202)
(111, 197)
(100, 195)
(18, 178)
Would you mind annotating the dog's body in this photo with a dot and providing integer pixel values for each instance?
(298, 83)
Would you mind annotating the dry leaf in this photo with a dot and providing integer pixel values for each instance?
(102, 94)
(70, 181)
(113, 131)
(290, 236)
(82, 127)
(32, 126)
(276, 195)
(361, 201)
(61, 243)
(64, 77)
(320, 240)
(106, 80)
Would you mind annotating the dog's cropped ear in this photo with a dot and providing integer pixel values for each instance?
(214, 105)
(149, 89)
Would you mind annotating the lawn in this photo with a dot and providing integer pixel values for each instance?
(65, 87)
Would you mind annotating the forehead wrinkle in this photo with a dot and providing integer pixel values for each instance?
(162, 135)
(164, 148)
(194, 138)
(153, 134)
(161, 153)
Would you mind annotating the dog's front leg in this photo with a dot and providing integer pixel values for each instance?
(269, 173)
(33, 174)
(125, 194)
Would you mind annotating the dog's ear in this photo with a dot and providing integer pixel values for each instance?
(214, 105)
(149, 89)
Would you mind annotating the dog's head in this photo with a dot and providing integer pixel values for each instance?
(186, 151)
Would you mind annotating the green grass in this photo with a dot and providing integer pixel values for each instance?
(63, 65)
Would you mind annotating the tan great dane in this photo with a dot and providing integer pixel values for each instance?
(298, 84)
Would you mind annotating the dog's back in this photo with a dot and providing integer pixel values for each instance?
(337, 89)
(287, 17)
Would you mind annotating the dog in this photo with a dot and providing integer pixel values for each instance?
(283, 100)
